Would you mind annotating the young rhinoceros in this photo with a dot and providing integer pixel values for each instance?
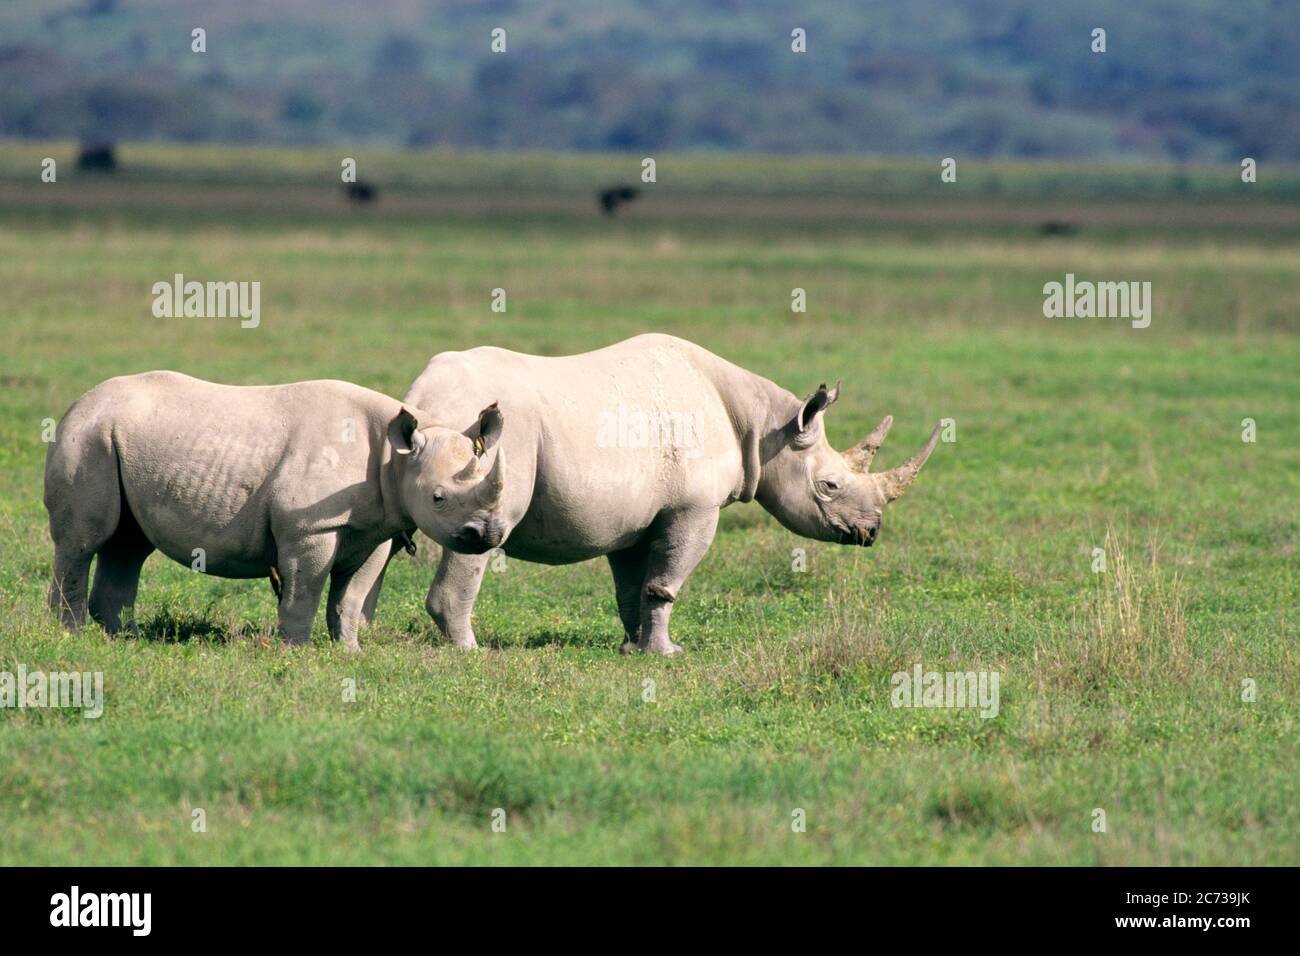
(300, 483)
(630, 451)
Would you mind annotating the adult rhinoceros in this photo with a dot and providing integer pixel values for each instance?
(630, 452)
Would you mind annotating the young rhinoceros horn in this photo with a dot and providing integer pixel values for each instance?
(495, 481)
(490, 485)
(895, 481)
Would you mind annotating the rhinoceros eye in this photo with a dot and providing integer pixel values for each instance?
(438, 496)
(828, 486)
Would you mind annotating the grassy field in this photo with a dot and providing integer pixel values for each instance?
(1120, 691)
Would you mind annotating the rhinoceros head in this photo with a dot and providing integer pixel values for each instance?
(446, 484)
(821, 493)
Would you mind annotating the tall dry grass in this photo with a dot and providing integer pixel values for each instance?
(1134, 622)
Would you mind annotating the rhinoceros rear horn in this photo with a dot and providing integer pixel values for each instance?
(860, 455)
(471, 470)
(895, 481)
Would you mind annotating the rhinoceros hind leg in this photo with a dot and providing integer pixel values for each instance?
(117, 575)
(678, 541)
(628, 567)
(83, 495)
(69, 586)
(453, 592)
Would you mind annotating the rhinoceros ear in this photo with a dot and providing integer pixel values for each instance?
(814, 405)
(404, 434)
(487, 430)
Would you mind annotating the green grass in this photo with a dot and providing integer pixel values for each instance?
(1119, 691)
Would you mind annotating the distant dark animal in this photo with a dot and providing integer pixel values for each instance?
(360, 192)
(97, 158)
(1056, 227)
(615, 196)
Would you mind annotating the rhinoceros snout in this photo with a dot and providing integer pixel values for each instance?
(476, 539)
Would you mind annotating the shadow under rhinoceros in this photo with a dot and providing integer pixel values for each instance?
(544, 639)
(166, 627)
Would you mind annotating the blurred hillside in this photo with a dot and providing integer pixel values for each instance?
(1200, 80)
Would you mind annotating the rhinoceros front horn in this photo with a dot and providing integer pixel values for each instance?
(895, 481)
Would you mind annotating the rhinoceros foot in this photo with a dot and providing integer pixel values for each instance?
(664, 648)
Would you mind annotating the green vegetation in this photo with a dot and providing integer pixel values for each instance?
(1120, 691)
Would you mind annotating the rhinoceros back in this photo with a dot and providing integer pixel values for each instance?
(200, 466)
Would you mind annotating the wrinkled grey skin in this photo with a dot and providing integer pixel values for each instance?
(651, 508)
(306, 484)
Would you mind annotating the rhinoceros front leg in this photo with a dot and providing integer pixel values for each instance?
(352, 597)
(372, 594)
(453, 592)
(304, 567)
(677, 543)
